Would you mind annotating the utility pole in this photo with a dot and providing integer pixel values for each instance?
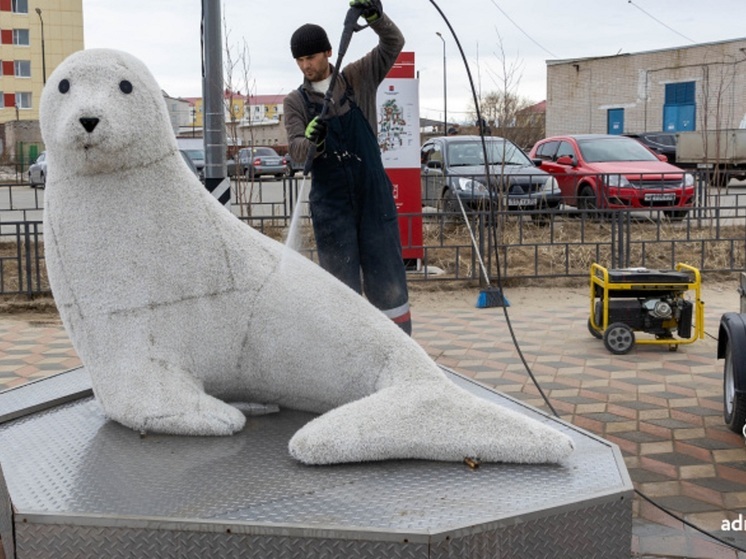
(213, 119)
(43, 54)
(445, 87)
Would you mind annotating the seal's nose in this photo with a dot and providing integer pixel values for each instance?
(89, 123)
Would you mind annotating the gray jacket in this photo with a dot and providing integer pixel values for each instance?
(363, 76)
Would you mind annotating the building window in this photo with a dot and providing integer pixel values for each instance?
(23, 68)
(19, 6)
(23, 100)
(2, 100)
(21, 37)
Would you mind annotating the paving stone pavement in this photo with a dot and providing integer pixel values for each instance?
(663, 408)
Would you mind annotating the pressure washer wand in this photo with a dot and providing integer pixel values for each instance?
(350, 26)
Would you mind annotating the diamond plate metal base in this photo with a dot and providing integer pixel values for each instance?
(73, 484)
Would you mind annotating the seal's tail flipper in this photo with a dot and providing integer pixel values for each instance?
(427, 420)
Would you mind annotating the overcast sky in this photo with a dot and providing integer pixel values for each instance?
(165, 34)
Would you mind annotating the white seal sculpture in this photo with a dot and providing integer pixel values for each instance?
(175, 307)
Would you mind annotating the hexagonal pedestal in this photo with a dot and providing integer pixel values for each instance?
(73, 484)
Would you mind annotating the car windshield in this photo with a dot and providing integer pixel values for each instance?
(614, 149)
(664, 139)
(195, 154)
(464, 154)
(264, 151)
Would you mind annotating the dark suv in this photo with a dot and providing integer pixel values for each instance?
(659, 142)
(454, 165)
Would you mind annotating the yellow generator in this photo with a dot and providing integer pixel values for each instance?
(655, 302)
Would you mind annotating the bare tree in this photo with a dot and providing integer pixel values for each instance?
(718, 84)
(504, 111)
(237, 78)
(501, 110)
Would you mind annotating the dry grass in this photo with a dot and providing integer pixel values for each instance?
(569, 247)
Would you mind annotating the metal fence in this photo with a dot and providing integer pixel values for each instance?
(514, 246)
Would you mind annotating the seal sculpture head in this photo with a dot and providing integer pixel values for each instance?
(104, 102)
(175, 307)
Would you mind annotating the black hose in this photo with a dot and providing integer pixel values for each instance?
(499, 284)
(493, 214)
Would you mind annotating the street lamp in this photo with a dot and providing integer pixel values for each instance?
(445, 87)
(43, 55)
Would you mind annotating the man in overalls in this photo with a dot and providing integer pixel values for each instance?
(352, 204)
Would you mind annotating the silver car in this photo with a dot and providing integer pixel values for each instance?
(197, 157)
(258, 161)
(37, 171)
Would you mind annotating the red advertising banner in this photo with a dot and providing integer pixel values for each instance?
(399, 140)
(409, 206)
(403, 67)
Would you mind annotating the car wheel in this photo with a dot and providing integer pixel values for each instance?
(288, 172)
(675, 215)
(587, 198)
(719, 178)
(619, 338)
(448, 204)
(541, 218)
(734, 403)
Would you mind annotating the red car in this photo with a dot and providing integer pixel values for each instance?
(606, 171)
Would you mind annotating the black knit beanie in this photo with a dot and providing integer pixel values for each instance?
(309, 39)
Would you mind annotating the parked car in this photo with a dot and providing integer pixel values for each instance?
(198, 158)
(190, 163)
(37, 171)
(230, 167)
(293, 166)
(257, 161)
(608, 171)
(454, 165)
(659, 142)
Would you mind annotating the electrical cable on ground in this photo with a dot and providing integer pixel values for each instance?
(493, 228)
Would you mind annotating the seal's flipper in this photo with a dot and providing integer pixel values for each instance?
(427, 420)
(162, 398)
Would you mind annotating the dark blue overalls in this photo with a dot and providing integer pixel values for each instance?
(354, 214)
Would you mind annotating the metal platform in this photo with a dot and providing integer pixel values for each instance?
(75, 485)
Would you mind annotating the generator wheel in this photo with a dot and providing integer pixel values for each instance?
(595, 333)
(734, 409)
(619, 338)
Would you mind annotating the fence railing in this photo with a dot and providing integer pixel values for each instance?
(514, 245)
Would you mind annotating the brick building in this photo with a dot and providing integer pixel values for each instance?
(696, 87)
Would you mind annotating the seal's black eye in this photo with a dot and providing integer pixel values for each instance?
(64, 86)
(125, 86)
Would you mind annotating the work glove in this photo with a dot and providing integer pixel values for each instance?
(372, 9)
(316, 131)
